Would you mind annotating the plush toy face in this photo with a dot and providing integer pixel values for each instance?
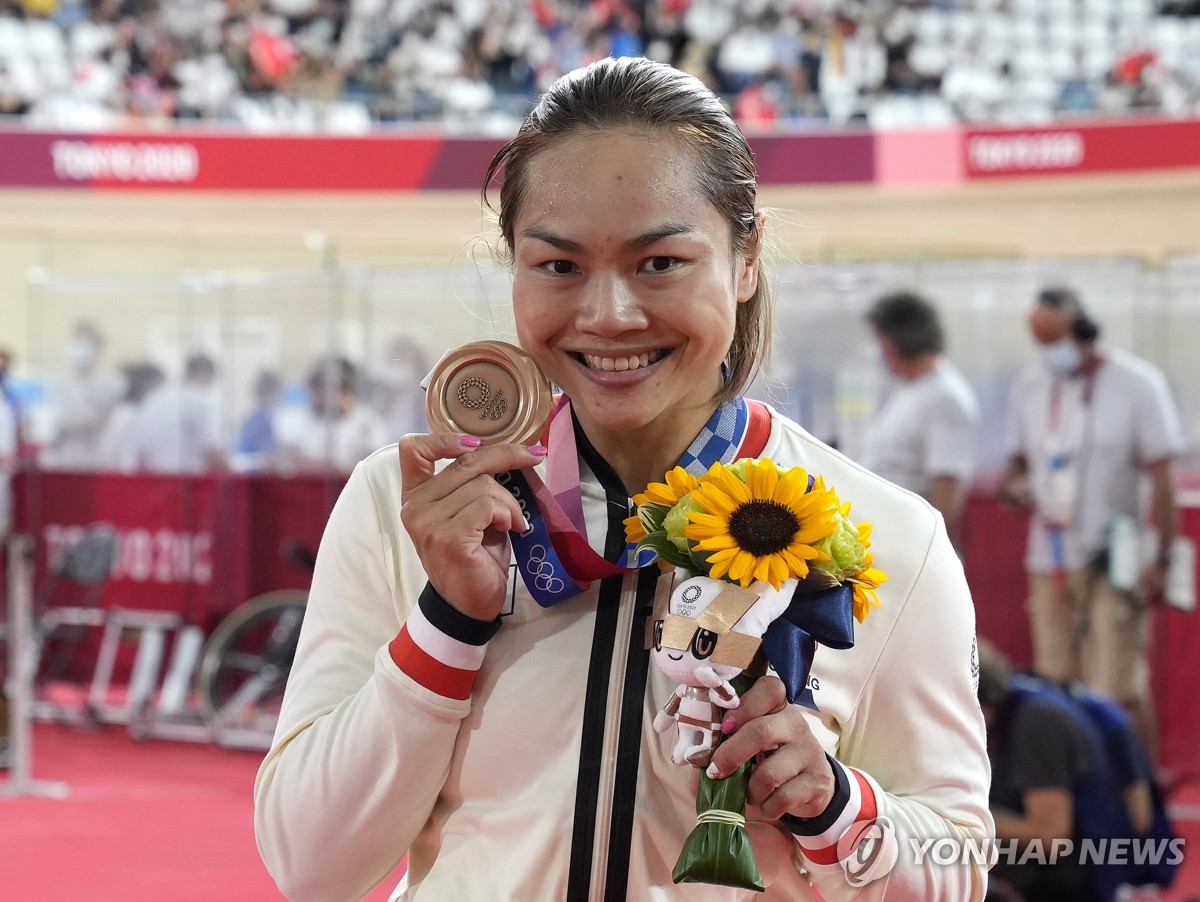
(713, 627)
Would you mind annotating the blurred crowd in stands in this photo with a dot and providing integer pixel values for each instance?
(141, 417)
(348, 66)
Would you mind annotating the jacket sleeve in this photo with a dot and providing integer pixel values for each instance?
(363, 747)
(915, 759)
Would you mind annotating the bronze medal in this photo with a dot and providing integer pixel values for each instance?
(490, 389)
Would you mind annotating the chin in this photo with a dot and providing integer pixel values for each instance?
(614, 416)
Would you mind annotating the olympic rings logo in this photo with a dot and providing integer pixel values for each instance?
(542, 571)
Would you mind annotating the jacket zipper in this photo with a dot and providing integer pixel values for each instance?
(612, 730)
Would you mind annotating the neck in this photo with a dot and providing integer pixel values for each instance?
(644, 455)
(916, 367)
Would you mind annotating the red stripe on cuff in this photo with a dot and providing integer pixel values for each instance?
(451, 682)
(867, 812)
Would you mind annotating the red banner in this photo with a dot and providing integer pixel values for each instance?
(1081, 147)
(384, 162)
(199, 546)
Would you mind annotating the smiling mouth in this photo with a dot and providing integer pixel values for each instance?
(674, 657)
(621, 364)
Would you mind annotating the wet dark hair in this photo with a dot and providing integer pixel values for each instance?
(909, 322)
(649, 97)
(1066, 300)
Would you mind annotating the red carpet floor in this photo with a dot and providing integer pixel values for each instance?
(162, 821)
(153, 821)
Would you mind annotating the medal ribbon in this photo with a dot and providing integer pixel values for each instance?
(553, 555)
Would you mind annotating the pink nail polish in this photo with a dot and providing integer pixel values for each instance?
(470, 441)
(728, 726)
(537, 450)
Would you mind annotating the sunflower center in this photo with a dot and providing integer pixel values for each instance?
(763, 527)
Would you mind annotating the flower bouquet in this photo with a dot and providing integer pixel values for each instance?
(773, 565)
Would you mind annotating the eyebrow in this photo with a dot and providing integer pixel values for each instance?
(666, 230)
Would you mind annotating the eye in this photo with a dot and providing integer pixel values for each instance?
(704, 643)
(658, 631)
(558, 267)
(659, 264)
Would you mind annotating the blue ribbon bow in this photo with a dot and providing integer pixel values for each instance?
(790, 642)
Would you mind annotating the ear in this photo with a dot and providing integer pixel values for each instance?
(748, 266)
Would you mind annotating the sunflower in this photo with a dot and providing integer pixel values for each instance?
(865, 584)
(658, 498)
(762, 526)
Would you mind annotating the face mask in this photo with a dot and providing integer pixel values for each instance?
(1062, 356)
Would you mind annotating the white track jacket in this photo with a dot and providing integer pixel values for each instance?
(526, 768)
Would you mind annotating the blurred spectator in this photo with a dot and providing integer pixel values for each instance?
(1066, 766)
(9, 444)
(1077, 93)
(257, 441)
(178, 424)
(746, 57)
(1087, 426)
(1040, 757)
(81, 401)
(335, 431)
(118, 445)
(345, 65)
(923, 437)
(8, 397)
(396, 391)
(976, 88)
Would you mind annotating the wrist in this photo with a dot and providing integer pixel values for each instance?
(844, 823)
(454, 622)
(441, 648)
(812, 826)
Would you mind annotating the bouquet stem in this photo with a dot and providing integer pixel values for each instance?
(718, 849)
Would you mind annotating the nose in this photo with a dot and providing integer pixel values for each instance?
(610, 306)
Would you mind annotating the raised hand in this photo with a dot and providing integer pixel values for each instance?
(459, 517)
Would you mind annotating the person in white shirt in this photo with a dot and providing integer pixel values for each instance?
(1087, 428)
(81, 401)
(118, 446)
(178, 427)
(336, 430)
(924, 435)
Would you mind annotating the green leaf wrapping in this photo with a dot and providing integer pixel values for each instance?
(720, 853)
(660, 543)
(715, 852)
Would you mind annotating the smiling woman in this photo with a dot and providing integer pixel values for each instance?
(500, 731)
(626, 289)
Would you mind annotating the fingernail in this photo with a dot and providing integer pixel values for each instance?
(714, 772)
(728, 725)
(470, 441)
(537, 450)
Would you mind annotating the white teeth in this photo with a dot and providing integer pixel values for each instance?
(620, 364)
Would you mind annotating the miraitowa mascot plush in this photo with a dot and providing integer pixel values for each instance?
(705, 639)
(709, 634)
